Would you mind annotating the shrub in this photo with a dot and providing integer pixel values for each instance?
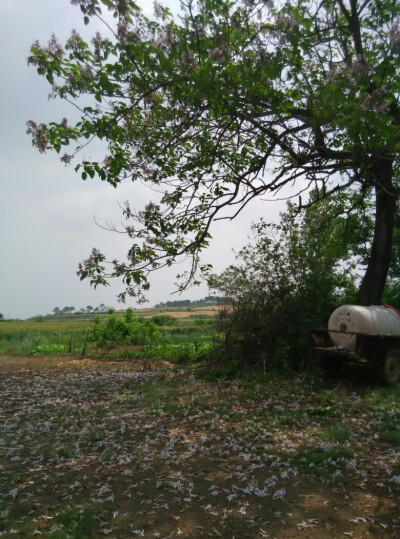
(128, 330)
(288, 281)
(164, 320)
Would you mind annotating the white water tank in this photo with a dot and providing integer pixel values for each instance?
(350, 319)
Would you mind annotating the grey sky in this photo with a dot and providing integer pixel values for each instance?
(46, 210)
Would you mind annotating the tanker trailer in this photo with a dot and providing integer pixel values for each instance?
(362, 335)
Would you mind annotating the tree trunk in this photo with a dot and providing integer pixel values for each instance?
(373, 283)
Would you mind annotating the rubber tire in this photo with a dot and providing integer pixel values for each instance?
(331, 366)
(389, 369)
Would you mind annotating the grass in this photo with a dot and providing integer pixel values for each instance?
(43, 342)
(328, 464)
(336, 433)
(11, 328)
(72, 521)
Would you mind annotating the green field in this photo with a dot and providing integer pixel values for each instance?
(11, 328)
(177, 335)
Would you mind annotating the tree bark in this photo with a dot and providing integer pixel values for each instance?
(373, 283)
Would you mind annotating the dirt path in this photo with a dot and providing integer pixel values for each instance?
(120, 449)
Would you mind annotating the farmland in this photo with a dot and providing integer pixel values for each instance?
(71, 333)
(135, 443)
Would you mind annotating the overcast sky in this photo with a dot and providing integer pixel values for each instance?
(46, 210)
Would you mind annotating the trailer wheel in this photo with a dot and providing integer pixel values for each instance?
(331, 366)
(389, 369)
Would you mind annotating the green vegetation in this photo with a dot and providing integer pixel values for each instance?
(128, 330)
(208, 300)
(288, 280)
(326, 463)
(163, 336)
(28, 338)
(164, 320)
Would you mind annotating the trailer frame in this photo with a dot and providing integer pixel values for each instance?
(380, 351)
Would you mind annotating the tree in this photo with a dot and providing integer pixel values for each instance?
(56, 310)
(67, 310)
(391, 293)
(237, 100)
(1, 316)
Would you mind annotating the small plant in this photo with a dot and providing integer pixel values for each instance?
(324, 463)
(49, 348)
(29, 343)
(79, 521)
(336, 433)
(327, 398)
(390, 428)
(164, 320)
(391, 436)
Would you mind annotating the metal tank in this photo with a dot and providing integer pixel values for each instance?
(350, 319)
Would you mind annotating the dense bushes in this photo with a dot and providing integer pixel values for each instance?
(128, 330)
(287, 281)
(164, 320)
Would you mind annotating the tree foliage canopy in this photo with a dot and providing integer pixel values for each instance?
(232, 100)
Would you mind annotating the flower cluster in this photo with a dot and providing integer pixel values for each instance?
(394, 36)
(39, 136)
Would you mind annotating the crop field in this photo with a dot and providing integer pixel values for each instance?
(183, 333)
(93, 448)
(183, 313)
(11, 328)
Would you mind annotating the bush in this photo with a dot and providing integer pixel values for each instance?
(164, 320)
(128, 330)
(289, 280)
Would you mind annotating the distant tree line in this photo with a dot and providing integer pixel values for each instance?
(208, 300)
(84, 310)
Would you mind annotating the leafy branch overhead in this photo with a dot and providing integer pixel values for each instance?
(227, 102)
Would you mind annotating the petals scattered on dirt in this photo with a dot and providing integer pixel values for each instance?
(100, 448)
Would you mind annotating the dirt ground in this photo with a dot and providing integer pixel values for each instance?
(92, 448)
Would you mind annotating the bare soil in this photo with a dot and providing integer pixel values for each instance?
(92, 448)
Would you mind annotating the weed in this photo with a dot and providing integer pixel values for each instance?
(322, 462)
(152, 389)
(176, 410)
(98, 387)
(65, 450)
(322, 412)
(165, 485)
(225, 371)
(49, 348)
(102, 412)
(390, 427)
(96, 435)
(78, 521)
(336, 433)
(287, 418)
(327, 398)
(391, 437)
(382, 399)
